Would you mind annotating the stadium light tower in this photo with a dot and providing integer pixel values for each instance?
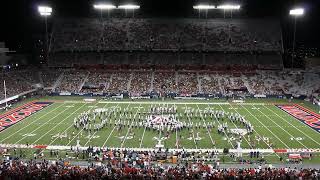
(128, 7)
(228, 7)
(45, 11)
(104, 7)
(204, 7)
(297, 12)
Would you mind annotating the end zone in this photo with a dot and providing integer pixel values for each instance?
(304, 115)
(20, 113)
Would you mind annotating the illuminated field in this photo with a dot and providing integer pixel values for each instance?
(271, 125)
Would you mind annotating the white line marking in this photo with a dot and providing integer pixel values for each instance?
(105, 142)
(281, 128)
(57, 125)
(44, 124)
(33, 122)
(266, 128)
(291, 125)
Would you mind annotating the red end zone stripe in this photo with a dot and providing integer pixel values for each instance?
(305, 116)
(15, 109)
(307, 110)
(16, 115)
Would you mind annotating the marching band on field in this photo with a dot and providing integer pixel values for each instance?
(161, 118)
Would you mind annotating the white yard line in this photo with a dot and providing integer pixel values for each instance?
(194, 140)
(260, 136)
(81, 129)
(43, 124)
(65, 131)
(134, 117)
(280, 127)
(96, 131)
(105, 142)
(205, 125)
(236, 125)
(142, 137)
(30, 123)
(293, 125)
(224, 131)
(266, 128)
(141, 141)
(58, 124)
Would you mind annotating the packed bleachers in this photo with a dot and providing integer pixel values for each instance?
(187, 83)
(97, 82)
(119, 82)
(71, 81)
(141, 83)
(140, 169)
(164, 82)
(49, 77)
(166, 34)
(183, 81)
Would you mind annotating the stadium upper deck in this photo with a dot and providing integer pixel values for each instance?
(231, 35)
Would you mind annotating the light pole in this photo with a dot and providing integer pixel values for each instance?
(127, 7)
(103, 7)
(45, 11)
(295, 13)
(204, 7)
(231, 8)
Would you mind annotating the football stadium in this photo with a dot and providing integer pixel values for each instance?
(202, 89)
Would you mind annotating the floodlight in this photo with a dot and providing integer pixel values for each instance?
(297, 12)
(229, 7)
(129, 6)
(104, 6)
(203, 7)
(45, 10)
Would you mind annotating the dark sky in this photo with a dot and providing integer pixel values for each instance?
(19, 18)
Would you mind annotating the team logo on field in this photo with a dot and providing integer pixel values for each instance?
(162, 121)
(16, 115)
(309, 118)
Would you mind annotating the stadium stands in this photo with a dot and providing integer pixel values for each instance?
(166, 34)
(141, 169)
(183, 82)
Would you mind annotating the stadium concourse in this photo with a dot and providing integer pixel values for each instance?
(160, 98)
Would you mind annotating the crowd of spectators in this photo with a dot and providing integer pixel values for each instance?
(166, 34)
(49, 76)
(209, 84)
(145, 80)
(71, 81)
(164, 82)
(119, 82)
(15, 84)
(114, 169)
(141, 83)
(97, 82)
(188, 83)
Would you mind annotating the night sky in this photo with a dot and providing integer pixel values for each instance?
(20, 19)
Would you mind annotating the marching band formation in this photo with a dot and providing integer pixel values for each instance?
(166, 120)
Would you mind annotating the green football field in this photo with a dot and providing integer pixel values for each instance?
(273, 128)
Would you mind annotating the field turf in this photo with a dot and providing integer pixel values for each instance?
(270, 122)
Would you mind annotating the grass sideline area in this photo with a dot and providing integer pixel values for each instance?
(282, 129)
